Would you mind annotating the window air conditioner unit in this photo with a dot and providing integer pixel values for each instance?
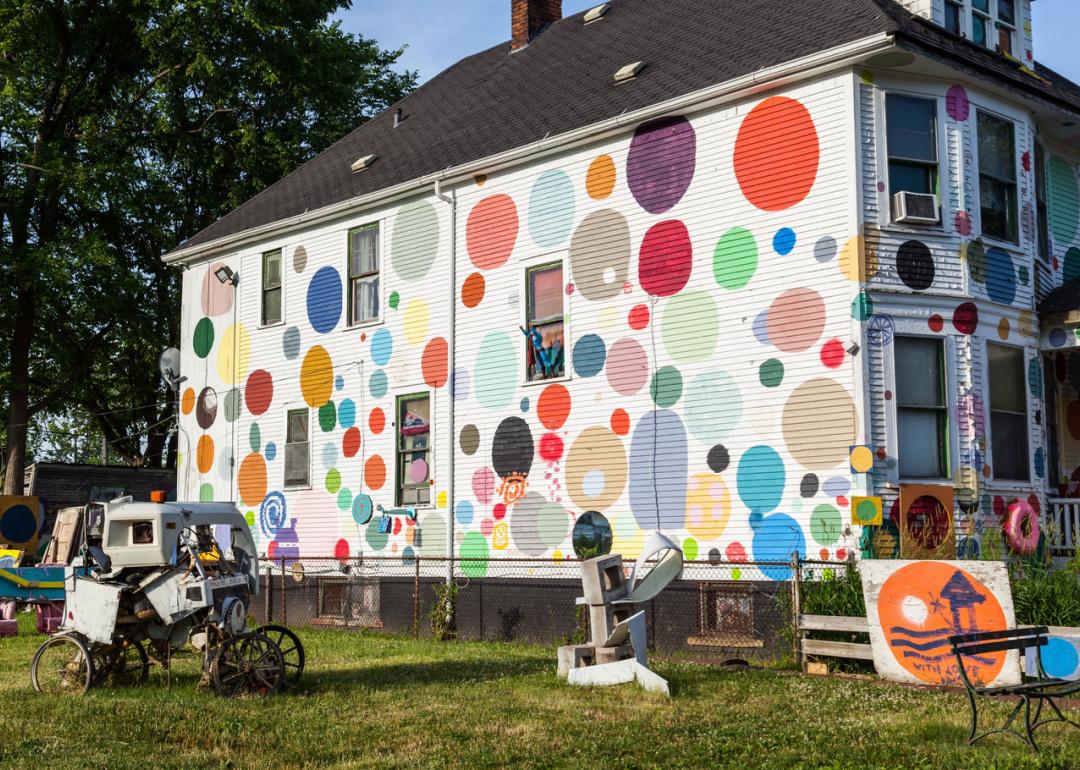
(915, 208)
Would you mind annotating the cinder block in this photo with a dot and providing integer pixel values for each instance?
(603, 619)
(613, 654)
(602, 579)
(575, 656)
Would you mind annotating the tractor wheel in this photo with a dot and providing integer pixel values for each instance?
(122, 664)
(62, 665)
(292, 650)
(247, 664)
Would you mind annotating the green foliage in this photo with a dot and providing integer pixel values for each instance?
(444, 612)
(835, 592)
(1047, 597)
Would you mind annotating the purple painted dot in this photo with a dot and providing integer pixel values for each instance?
(957, 104)
(1057, 337)
(660, 166)
(761, 327)
(836, 486)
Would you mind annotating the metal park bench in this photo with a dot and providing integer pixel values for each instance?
(1042, 689)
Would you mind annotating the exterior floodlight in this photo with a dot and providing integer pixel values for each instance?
(225, 274)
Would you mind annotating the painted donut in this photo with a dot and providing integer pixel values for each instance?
(1022, 527)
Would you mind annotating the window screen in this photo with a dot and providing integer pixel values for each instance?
(297, 448)
(1008, 413)
(364, 274)
(922, 411)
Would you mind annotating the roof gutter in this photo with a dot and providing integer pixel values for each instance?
(793, 71)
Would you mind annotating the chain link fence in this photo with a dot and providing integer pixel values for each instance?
(715, 610)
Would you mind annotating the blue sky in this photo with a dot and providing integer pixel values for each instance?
(440, 32)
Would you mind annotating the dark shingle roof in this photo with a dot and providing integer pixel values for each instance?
(493, 101)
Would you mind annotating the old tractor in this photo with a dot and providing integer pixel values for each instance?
(152, 580)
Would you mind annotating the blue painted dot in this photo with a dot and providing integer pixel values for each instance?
(18, 524)
(329, 454)
(1060, 658)
(346, 413)
(271, 451)
(339, 382)
(524, 405)
(324, 300)
(377, 384)
(760, 479)
(1000, 276)
(1057, 337)
(776, 539)
(290, 343)
(760, 327)
(784, 241)
(589, 356)
(382, 347)
(1040, 463)
(463, 512)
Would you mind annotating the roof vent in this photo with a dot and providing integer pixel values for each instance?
(594, 14)
(363, 162)
(629, 72)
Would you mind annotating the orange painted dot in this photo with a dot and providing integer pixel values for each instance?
(251, 480)
(553, 406)
(434, 363)
(472, 291)
(375, 472)
(187, 402)
(620, 422)
(377, 420)
(491, 231)
(600, 180)
(204, 453)
(777, 153)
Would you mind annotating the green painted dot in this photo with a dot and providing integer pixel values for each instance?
(376, 539)
(736, 574)
(327, 416)
(394, 300)
(771, 373)
(344, 499)
(865, 511)
(691, 326)
(474, 546)
(249, 517)
(690, 549)
(735, 259)
(862, 307)
(232, 403)
(666, 387)
(333, 481)
(1024, 275)
(1064, 200)
(206, 493)
(255, 437)
(825, 524)
(1071, 268)
(203, 340)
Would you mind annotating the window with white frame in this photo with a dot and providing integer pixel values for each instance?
(922, 409)
(271, 288)
(364, 274)
(297, 448)
(1008, 412)
(414, 449)
(911, 135)
(997, 177)
(544, 321)
(954, 17)
(993, 24)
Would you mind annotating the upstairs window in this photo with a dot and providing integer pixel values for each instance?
(271, 288)
(414, 450)
(997, 177)
(364, 275)
(993, 24)
(544, 319)
(911, 127)
(297, 448)
(1008, 413)
(1042, 212)
(954, 17)
(922, 410)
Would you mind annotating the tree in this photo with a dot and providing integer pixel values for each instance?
(126, 127)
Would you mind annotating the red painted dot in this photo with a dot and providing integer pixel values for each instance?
(259, 391)
(569, 289)
(341, 549)
(936, 323)
(397, 526)
(999, 506)
(832, 353)
(842, 501)
(888, 395)
(639, 317)
(486, 527)
(666, 258)
(350, 442)
(841, 553)
(500, 511)
(962, 223)
(551, 447)
(966, 318)
(620, 422)
(735, 552)
(377, 420)
(881, 453)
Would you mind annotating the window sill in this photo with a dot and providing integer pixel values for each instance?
(364, 325)
(991, 242)
(908, 227)
(306, 488)
(275, 325)
(535, 383)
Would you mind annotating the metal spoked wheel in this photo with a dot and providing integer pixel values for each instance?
(292, 650)
(62, 666)
(247, 664)
(121, 664)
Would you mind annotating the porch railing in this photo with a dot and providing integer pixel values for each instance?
(1064, 521)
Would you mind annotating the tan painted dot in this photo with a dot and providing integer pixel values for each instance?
(819, 424)
(1004, 327)
(596, 469)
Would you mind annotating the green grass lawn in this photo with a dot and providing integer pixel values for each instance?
(375, 701)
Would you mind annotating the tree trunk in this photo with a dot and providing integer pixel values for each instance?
(19, 406)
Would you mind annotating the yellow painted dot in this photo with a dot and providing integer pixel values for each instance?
(416, 321)
(316, 377)
(862, 459)
(440, 500)
(234, 355)
(1004, 327)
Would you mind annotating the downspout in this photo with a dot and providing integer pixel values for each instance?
(451, 380)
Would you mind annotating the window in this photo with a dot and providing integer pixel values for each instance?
(912, 138)
(1006, 25)
(954, 17)
(993, 23)
(271, 288)
(297, 448)
(544, 358)
(1053, 456)
(414, 450)
(1008, 413)
(922, 411)
(980, 22)
(364, 274)
(1042, 212)
(997, 177)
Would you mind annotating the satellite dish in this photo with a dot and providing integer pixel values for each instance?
(169, 365)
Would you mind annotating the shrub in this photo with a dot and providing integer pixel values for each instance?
(1046, 597)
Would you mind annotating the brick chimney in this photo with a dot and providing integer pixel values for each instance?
(529, 17)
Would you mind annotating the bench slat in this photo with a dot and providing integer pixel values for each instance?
(833, 623)
(837, 649)
(1009, 633)
(977, 648)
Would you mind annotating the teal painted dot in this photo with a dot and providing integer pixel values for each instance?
(666, 387)
(346, 413)
(862, 307)
(1022, 272)
(333, 481)
(378, 384)
(1064, 200)
(691, 326)
(771, 373)
(735, 259)
(474, 547)
(524, 405)
(394, 300)
(712, 407)
(495, 373)
(344, 499)
(382, 347)
(376, 539)
(327, 416)
(203, 339)
(231, 405)
(589, 355)
(825, 524)
(551, 209)
(255, 437)
(415, 240)
(1071, 267)
(206, 493)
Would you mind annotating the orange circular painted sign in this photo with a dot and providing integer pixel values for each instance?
(924, 603)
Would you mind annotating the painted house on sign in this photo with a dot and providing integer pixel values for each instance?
(743, 278)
